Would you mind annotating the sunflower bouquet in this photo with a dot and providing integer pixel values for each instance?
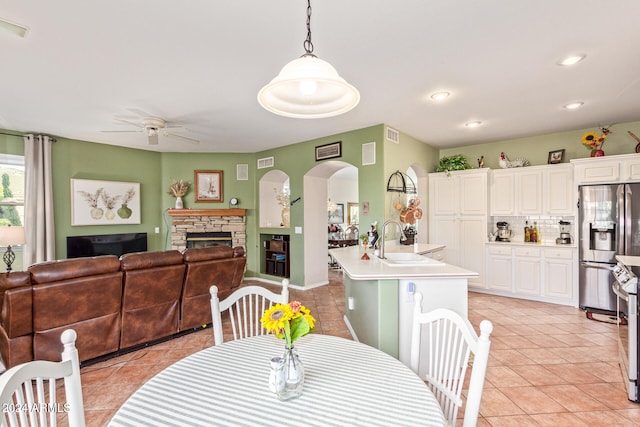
(594, 141)
(288, 321)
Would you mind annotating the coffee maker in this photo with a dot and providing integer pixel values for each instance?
(565, 233)
(504, 232)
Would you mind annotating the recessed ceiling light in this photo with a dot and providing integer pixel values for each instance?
(439, 96)
(473, 124)
(574, 105)
(572, 60)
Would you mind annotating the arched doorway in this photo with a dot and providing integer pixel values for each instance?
(315, 193)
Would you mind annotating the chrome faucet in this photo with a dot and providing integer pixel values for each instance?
(382, 238)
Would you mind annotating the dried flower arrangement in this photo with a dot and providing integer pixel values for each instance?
(179, 187)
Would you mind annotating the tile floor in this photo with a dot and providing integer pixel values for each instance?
(549, 365)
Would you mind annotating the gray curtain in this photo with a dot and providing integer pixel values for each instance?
(38, 201)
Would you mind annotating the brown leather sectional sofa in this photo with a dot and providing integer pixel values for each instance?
(114, 304)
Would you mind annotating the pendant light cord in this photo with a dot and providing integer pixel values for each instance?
(308, 45)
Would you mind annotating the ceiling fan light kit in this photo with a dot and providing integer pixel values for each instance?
(308, 87)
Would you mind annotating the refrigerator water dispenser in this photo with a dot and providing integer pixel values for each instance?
(602, 238)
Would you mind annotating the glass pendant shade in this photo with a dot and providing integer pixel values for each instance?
(308, 88)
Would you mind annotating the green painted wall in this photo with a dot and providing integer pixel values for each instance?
(86, 160)
(297, 159)
(536, 148)
(183, 165)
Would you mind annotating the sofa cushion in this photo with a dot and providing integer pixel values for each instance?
(91, 305)
(214, 265)
(152, 290)
(55, 271)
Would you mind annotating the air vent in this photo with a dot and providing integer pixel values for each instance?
(242, 172)
(369, 153)
(266, 162)
(393, 135)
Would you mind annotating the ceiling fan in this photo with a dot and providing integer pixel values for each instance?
(154, 126)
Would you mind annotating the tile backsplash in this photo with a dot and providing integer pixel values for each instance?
(548, 226)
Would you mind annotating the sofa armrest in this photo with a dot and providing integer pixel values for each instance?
(16, 304)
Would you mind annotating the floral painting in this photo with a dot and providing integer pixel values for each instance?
(104, 202)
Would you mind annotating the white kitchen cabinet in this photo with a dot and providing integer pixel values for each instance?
(503, 193)
(458, 218)
(607, 169)
(527, 264)
(558, 273)
(532, 190)
(499, 268)
(530, 271)
(559, 194)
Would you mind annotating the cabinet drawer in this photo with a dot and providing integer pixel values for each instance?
(558, 253)
(526, 251)
(499, 250)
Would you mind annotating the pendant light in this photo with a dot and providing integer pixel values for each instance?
(308, 87)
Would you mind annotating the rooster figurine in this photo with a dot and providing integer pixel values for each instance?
(505, 163)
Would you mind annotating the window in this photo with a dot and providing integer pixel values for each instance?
(12, 191)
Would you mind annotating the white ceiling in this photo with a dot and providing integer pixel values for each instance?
(200, 64)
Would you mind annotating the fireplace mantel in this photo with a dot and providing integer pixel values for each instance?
(207, 212)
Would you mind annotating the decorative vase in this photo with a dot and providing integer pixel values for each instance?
(109, 214)
(124, 212)
(96, 213)
(179, 204)
(365, 256)
(290, 375)
(597, 153)
(286, 217)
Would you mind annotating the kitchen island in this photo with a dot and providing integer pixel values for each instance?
(379, 293)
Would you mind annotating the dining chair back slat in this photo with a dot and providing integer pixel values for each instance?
(443, 345)
(28, 391)
(245, 307)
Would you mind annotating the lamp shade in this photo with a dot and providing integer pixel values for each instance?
(308, 88)
(11, 235)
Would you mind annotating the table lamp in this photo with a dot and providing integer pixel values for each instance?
(11, 235)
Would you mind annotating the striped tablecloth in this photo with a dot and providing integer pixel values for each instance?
(346, 384)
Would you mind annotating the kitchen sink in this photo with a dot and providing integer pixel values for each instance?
(407, 259)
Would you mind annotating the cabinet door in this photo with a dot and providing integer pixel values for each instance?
(443, 194)
(527, 275)
(473, 194)
(559, 193)
(529, 192)
(558, 273)
(502, 193)
(444, 230)
(499, 269)
(597, 171)
(473, 235)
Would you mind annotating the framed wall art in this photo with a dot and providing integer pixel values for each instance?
(336, 216)
(329, 151)
(104, 202)
(208, 186)
(555, 156)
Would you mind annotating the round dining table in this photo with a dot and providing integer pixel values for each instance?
(347, 383)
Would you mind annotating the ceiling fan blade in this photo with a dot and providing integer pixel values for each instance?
(138, 125)
(17, 29)
(153, 139)
(191, 140)
(121, 131)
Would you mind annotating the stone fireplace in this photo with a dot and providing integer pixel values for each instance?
(211, 221)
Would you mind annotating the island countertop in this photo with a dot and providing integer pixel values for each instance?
(375, 268)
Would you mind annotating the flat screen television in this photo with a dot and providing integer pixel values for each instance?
(106, 244)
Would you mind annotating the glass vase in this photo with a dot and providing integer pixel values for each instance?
(290, 375)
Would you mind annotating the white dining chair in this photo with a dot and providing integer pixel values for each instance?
(450, 340)
(28, 390)
(246, 306)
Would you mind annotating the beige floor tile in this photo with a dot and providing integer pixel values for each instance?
(512, 421)
(495, 403)
(565, 394)
(559, 420)
(605, 419)
(532, 400)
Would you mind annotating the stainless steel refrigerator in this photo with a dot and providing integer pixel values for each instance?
(609, 221)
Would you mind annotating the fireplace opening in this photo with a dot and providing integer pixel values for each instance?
(214, 238)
